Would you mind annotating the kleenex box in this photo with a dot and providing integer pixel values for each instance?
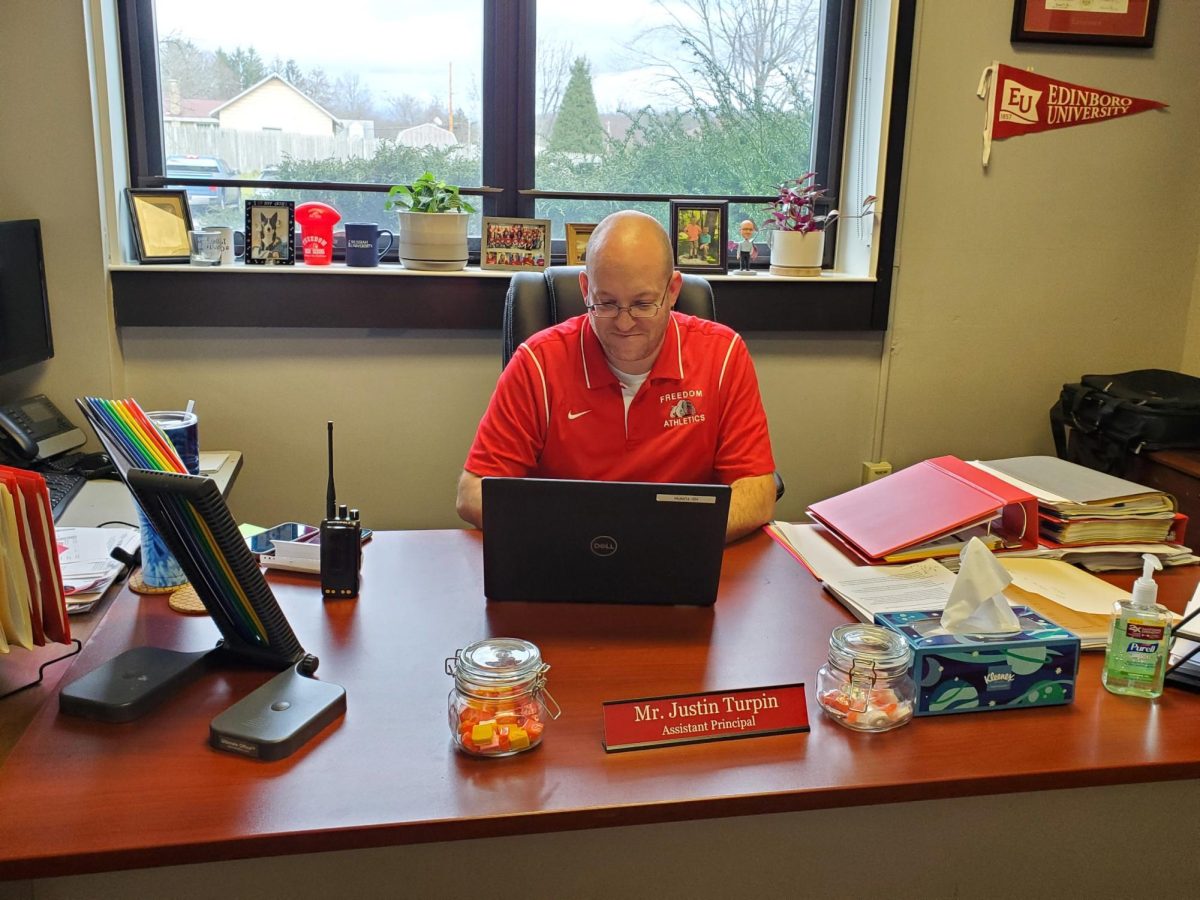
(983, 672)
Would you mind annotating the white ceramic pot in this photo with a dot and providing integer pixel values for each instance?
(434, 242)
(796, 253)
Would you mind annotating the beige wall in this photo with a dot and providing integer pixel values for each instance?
(1075, 252)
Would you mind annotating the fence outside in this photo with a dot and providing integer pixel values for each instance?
(249, 152)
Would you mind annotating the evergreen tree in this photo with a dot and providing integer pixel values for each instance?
(577, 127)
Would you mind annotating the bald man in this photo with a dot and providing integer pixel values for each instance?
(629, 391)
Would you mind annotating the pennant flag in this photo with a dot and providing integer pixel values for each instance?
(1020, 102)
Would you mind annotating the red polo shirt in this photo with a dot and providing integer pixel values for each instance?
(557, 411)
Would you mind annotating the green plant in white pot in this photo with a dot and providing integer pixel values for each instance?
(433, 224)
(795, 232)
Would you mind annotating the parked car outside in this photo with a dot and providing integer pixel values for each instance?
(204, 196)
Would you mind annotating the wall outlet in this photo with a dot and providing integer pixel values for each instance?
(872, 471)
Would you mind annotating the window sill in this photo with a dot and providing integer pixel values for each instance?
(391, 296)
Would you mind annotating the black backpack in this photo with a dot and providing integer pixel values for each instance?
(1104, 419)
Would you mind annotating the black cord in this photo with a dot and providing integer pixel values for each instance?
(42, 669)
(116, 522)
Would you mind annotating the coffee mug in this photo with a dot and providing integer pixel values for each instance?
(362, 244)
(228, 251)
(206, 248)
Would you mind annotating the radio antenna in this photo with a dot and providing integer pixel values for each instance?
(330, 492)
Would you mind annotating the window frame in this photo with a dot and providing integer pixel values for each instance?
(508, 166)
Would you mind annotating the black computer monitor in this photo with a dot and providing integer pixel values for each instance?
(25, 336)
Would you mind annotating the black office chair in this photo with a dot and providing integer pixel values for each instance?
(537, 300)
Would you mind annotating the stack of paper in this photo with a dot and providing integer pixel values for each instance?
(32, 605)
(1078, 505)
(88, 569)
(1073, 599)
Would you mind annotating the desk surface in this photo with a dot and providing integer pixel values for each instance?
(108, 500)
(95, 797)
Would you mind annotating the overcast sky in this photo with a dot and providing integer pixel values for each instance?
(403, 47)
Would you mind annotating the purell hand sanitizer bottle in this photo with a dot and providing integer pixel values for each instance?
(1136, 659)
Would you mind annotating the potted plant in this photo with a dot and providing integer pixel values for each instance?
(795, 232)
(433, 224)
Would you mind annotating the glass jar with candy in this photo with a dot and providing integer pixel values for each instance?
(865, 684)
(499, 704)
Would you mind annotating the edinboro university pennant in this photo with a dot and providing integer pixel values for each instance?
(1020, 102)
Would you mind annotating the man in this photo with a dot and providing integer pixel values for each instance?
(629, 391)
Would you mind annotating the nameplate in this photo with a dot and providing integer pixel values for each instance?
(695, 718)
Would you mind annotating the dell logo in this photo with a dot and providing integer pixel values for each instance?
(603, 545)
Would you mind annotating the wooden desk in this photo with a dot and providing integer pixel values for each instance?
(1176, 472)
(97, 797)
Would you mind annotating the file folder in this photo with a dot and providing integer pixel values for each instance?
(932, 499)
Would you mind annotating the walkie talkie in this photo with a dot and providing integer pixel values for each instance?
(341, 542)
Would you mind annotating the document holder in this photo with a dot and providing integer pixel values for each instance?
(190, 514)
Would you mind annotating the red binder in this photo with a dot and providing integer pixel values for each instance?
(934, 498)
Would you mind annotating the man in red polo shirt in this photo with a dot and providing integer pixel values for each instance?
(629, 391)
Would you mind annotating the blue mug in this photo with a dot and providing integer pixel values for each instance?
(362, 244)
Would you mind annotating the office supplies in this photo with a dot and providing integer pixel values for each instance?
(34, 429)
(603, 541)
(32, 552)
(977, 604)
(341, 542)
(188, 511)
(1184, 668)
(1069, 490)
(925, 503)
(90, 562)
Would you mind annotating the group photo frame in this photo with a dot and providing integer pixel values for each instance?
(161, 220)
(514, 245)
(699, 234)
(270, 233)
(578, 235)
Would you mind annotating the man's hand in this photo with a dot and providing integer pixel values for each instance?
(751, 504)
(470, 499)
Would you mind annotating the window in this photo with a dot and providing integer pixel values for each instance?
(540, 108)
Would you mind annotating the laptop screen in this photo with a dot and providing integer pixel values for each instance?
(603, 541)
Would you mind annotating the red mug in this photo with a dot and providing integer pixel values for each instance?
(316, 221)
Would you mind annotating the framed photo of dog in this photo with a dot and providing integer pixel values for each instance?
(515, 244)
(698, 229)
(270, 233)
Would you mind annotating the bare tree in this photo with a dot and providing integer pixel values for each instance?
(554, 71)
(754, 52)
(353, 98)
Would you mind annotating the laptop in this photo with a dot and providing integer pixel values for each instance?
(603, 541)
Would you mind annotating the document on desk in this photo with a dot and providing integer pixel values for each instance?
(88, 568)
(871, 590)
(212, 462)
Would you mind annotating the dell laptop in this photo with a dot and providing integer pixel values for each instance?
(603, 541)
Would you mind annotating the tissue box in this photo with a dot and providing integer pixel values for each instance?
(958, 673)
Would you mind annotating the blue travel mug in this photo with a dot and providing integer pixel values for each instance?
(159, 568)
(362, 244)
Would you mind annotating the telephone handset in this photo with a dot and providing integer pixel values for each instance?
(34, 429)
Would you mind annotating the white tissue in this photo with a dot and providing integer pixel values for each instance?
(976, 604)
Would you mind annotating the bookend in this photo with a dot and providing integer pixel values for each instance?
(190, 514)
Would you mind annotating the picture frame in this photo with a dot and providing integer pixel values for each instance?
(270, 233)
(578, 235)
(691, 222)
(1112, 23)
(515, 245)
(161, 220)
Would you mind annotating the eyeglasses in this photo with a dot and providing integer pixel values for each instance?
(639, 309)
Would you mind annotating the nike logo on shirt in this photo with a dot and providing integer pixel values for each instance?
(575, 415)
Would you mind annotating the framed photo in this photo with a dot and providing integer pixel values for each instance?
(515, 244)
(1115, 23)
(698, 229)
(270, 233)
(578, 235)
(161, 221)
